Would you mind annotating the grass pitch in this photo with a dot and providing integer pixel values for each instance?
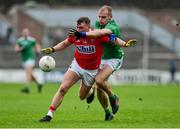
(140, 107)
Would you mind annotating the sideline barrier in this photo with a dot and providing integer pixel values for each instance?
(133, 76)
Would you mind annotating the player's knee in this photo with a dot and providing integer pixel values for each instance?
(99, 81)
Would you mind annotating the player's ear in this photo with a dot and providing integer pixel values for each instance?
(110, 17)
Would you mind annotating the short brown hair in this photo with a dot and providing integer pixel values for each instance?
(83, 20)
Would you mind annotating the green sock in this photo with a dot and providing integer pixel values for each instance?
(112, 97)
(107, 111)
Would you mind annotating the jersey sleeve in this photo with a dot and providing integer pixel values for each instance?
(71, 39)
(104, 39)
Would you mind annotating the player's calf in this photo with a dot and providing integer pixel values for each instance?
(39, 86)
(114, 101)
(90, 98)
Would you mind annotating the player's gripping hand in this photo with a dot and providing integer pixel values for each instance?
(77, 34)
(48, 50)
(130, 42)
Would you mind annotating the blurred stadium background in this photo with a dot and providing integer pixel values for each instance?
(147, 97)
(155, 25)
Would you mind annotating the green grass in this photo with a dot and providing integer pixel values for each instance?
(159, 107)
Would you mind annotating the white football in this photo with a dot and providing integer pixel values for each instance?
(47, 63)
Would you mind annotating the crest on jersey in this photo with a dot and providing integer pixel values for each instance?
(84, 41)
(92, 40)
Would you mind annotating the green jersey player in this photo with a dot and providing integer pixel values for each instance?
(26, 45)
(111, 51)
(111, 60)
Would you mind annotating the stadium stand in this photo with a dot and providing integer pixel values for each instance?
(158, 57)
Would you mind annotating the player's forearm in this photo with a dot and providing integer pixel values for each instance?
(94, 34)
(38, 47)
(120, 42)
(62, 45)
(98, 33)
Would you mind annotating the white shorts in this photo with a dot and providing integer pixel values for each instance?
(115, 64)
(87, 76)
(28, 63)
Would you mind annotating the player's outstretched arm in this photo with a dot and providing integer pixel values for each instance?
(60, 46)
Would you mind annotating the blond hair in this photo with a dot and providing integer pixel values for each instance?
(108, 8)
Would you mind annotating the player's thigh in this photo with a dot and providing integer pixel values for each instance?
(84, 90)
(29, 69)
(30, 63)
(70, 78)
(104, 73)
(88, 79)
(28, 66)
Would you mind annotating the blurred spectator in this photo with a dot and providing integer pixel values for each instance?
(9, 32)
(173, 71)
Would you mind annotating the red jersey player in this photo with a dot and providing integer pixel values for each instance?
(87, 58)
(88, 51)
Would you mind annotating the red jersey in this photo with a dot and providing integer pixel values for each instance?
(88, 51)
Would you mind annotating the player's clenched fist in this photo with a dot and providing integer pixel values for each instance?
(131, 42)
(48, 50)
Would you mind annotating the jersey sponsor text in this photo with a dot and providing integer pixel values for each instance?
(86, 49)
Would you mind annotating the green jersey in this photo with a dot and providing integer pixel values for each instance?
(28, 46)
(110, 51)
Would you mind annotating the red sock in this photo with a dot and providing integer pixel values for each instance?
(52, 108)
